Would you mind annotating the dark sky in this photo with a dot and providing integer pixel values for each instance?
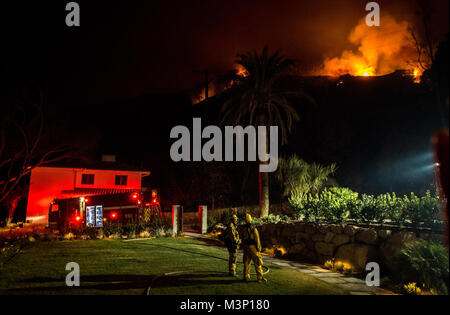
(129, 48)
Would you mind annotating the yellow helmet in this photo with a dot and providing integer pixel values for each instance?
(248, 218)
(234, 218)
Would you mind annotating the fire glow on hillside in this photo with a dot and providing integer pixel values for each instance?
(379, 51)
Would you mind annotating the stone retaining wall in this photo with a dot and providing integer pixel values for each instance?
(317, 243)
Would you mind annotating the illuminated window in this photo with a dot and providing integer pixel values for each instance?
(121, 180)
(87, 179)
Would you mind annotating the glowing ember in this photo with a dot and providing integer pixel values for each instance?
(417, 74)
(241, 71)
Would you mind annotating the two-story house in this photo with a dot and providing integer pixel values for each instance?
(59, 182)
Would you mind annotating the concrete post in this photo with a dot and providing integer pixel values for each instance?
(203, 219)
(177, 220)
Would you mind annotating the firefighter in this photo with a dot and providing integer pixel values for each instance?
(252, 250)
(232, 242)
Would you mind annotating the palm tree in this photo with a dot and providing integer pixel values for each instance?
(300, 178)
(258, 98)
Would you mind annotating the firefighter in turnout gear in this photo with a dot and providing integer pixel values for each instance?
(232, 242)
(252, 250)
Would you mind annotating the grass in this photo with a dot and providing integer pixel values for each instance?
(117, 267)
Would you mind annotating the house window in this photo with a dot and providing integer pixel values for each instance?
(121, 180)
(87, 179)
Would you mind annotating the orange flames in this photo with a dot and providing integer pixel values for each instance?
(240, 70)
(379, 51)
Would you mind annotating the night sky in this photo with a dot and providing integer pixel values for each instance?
(115, 84)
(130, 48)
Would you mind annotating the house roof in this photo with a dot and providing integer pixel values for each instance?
(97, 191)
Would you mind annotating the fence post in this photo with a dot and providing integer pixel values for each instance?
(203, 219)
(177, 220)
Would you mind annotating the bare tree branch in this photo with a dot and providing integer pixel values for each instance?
(418, 48)
(17, 161)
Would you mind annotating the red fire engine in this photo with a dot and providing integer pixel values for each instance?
(95, 210)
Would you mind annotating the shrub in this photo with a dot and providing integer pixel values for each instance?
(112, 228)
(421, 210)
(431, 208)
(369, 210)
(412, 208)
(213, 219)
(100, 234)
(160, 222)
(300, 178)
(68, 236)
(158, 225)
(144, 234)
(340, 204)
(328, 264)
(133, 228)
(412, 289)
(425, 262)
(271, 218)
(306, 207)
(378, 209)
(92, 232)
(333, 204)
(394, 208)
(221, 217)
(160, 232)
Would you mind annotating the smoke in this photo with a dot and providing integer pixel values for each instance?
(379, 51)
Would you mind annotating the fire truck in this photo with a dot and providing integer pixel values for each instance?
(96, 210)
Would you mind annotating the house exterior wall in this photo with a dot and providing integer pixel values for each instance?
(107, 179)
(48, 183)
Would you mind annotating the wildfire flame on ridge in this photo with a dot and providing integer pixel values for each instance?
(379, 51)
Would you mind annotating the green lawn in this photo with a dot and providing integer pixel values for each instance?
(117, 267)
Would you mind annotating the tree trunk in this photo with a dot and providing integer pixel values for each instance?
(264, 193)
(264, 187)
